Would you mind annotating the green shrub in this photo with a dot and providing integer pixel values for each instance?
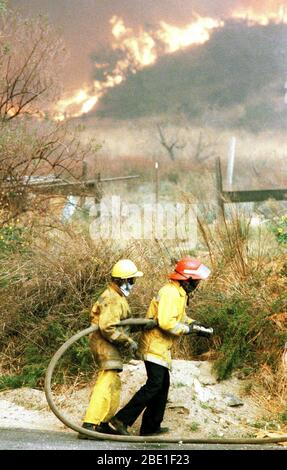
(79, 357)
(194, 426)
(280, 230)
(11, 381)
(283, 417)
(173, 177)
(244, 335)
(32, 376)
(12, 239)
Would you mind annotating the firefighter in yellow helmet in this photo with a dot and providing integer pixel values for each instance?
(168, 309)
(110, 308)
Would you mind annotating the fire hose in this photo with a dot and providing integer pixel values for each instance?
(101, 436)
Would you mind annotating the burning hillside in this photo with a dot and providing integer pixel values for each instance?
(133, 49)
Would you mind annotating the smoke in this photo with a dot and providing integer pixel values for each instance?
(85, 25)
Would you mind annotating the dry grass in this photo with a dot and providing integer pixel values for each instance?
(54, 281)
(271, 389)
(49, 288)
(132, 146)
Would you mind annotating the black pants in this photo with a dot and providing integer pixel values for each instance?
(152, 397)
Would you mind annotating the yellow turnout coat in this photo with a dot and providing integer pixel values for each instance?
(110, 308)
(169, 309)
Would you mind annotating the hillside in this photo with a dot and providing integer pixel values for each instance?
(235, 80)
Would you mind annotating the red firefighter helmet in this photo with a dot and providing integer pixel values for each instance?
(190, 268)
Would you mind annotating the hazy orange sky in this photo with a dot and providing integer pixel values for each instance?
(85, 26)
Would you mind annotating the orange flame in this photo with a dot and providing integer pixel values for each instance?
(261, 12)
(197, 32)
(253, 17)
(76, 105)
(142, 49)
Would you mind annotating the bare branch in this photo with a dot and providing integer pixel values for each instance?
(170, 147)
(31, 147)
(29, 54)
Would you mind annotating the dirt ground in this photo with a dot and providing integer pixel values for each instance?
(198, 406)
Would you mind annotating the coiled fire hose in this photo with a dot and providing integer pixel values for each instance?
(101, 436)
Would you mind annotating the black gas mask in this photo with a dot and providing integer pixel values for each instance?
(189, 285)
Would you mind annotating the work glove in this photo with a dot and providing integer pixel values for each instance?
(200, 330)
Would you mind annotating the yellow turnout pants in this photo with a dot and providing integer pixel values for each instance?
(105, 398)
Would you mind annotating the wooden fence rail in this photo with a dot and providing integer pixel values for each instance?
(258, 195)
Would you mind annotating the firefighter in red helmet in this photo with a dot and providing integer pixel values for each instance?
(169, 310)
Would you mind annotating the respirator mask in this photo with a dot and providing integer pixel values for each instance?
(127, 286)
(189, 285)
